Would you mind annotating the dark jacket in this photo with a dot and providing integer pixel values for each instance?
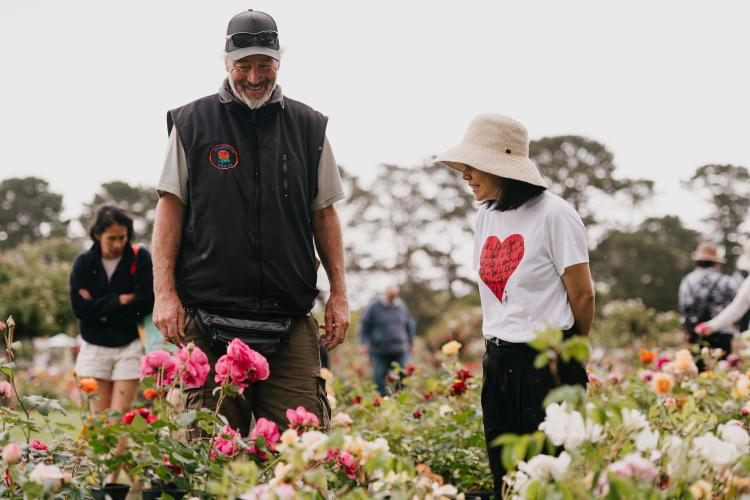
(247, 239)
(103, 320)
(387, 328)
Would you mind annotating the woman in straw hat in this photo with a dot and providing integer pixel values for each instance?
(531, 257)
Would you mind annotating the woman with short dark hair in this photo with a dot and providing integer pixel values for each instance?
(111, 291)
(531, 256)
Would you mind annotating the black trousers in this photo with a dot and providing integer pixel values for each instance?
(512, 395)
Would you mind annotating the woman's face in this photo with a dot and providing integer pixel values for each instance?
(484, 186)
(113, 241)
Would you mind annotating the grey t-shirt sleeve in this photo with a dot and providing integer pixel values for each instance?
(174, 174)
(330, 189)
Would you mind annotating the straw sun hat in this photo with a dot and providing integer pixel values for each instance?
(707, 251)
(498, 145)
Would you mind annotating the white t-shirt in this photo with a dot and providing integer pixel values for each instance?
(110, 265)
(520, 256)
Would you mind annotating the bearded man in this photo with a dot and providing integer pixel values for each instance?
(246, 195)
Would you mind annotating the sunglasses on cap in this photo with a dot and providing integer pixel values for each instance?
(263, 38)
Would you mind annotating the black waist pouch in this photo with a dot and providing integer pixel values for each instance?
(266, 336)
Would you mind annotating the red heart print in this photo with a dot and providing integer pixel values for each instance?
(499, 259)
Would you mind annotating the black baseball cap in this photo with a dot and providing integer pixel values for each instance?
(252, 32)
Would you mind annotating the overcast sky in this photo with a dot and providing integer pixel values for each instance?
(664, 84)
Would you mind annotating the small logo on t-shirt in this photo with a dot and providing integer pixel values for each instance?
(498, 261)
(223, 157)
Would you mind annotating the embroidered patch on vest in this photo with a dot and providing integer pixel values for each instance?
(223, 157)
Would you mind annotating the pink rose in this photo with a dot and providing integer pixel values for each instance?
(301, 419)
(160, 365)
(222, 444)
(194, 365)
(269, 431)
(11, 453)
(634, 466)
(247, 362)
(38, 445)
(5, 389)
(223, 375)
(242, 364)
(350, 465)
(662, 361)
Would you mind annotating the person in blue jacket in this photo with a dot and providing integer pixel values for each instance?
(386, 331)
(111, 291)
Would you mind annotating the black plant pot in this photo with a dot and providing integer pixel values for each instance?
(111, 491)
(155, 493)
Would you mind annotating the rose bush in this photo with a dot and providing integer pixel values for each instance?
(649, 426)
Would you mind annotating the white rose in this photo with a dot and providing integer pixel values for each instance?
(342, 419)
(647, 440)
(633, 420)
(564, 426)
(47, 474)
(545, 467)
(736, 435)
(714, 451)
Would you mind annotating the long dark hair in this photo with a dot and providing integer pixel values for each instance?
(107, 216)
(513, 194)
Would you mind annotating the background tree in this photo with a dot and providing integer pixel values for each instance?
(411, 226)
(581, 170)
(727, 188)
(28, 211)
(34, 286)
(647, 263)
(138, 201)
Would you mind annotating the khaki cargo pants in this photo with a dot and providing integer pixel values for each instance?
(294, 381)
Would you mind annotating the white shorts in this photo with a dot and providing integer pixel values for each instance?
(110, 363)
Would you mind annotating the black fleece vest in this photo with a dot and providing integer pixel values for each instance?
(247, 240)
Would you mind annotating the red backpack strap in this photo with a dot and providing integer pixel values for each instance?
(134, 264)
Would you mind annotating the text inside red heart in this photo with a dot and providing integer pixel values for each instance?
(498, 261)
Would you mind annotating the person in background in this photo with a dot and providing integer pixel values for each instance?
(531, 256)
(736, 312)
(111, 291)
(386, 332)
(703, 293)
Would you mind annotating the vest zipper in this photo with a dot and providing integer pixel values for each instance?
(258, 256)
(284, 172)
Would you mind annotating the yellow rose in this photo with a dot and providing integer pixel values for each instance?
(326, 374)
(701, 489)
(741, 389)
(683, 362)
(451, 348)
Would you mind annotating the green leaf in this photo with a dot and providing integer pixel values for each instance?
(43, 409)
(573, 394)
(577, 348)
(317, 478)
(139, 423)
(541, 360)
(508, 457)
(185, 419)
(504, 440)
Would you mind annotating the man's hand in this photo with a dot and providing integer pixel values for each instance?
(85, 295)
(336, 321)
(126, 298)
(169, 318)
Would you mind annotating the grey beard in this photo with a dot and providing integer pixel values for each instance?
(252, 103)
